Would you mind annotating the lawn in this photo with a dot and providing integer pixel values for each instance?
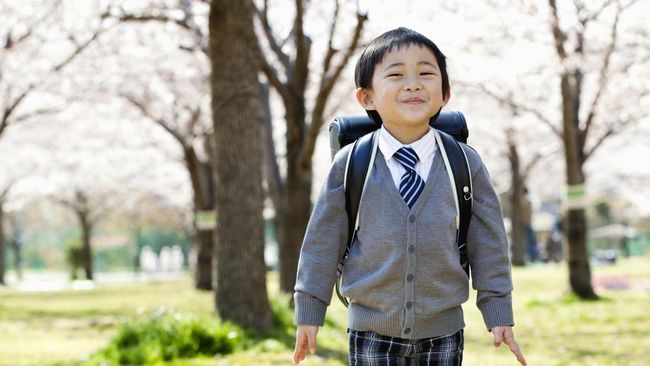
(552, 327)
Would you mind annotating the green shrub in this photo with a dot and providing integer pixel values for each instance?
(164, 335)
(74, 256)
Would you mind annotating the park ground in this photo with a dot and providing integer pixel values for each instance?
(553, 328)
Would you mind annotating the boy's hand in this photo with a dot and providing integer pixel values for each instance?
(506, 335)
(305, 340)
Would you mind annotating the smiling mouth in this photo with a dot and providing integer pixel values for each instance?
(414, 101)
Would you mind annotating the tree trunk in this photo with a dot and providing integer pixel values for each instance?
(292, 198)
(203, 239)
(17, 246)
(297, 200)
(137, 233)
(240, 287)
(579, 269)
(517, 242)
(86, 253)
(576, 231)
(293, 223)
(18, 261)
(2, 246)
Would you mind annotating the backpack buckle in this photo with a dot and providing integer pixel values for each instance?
(467, 195)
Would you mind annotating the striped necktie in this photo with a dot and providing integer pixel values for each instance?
(411, 184)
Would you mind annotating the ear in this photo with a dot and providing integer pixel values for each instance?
(364, 97)
(446, 98)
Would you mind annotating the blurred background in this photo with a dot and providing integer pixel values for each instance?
(159, 160)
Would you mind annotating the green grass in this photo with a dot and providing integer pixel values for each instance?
(553, 328)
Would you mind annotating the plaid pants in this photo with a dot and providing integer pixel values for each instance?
(372, 349)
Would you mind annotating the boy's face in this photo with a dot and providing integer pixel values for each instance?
(406, 88)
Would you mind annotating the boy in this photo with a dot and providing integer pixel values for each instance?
(403, 274)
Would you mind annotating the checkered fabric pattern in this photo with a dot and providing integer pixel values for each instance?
(372, 349)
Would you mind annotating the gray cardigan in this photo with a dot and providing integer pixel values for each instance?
(403, 274)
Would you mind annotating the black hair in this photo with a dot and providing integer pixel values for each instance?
(387, 42)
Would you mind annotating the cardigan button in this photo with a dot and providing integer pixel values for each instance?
(412, 219)
(407, 330)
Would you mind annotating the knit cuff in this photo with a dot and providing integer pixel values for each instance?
(309, 310)
(497, 312)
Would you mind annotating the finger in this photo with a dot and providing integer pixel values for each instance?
(299, 351)
(514, 348)
(517, 352)
(498, 337)
(311, 336)
(298, 355)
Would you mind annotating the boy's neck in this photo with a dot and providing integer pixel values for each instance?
(407, 135)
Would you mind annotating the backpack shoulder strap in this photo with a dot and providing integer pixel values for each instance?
(460, 177)
(357, 170)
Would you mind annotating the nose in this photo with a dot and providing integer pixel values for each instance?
(412, 84)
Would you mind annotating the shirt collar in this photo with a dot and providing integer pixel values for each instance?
(424, 147)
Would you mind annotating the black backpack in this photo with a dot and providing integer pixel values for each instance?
(361, 130)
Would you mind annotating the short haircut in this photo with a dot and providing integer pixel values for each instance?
(387, 42)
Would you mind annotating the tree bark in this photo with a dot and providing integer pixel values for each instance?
(576, 231)
(86, 253)
(240, 291)
(293, 223)
(517, 242)
(203, 188)
(204, 241)
(574, 139)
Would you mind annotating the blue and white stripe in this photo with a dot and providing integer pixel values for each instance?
(411, 184)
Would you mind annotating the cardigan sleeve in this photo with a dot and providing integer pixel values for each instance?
(488, 250)
(324, 243)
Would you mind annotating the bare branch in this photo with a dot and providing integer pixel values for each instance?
(164, 124)
(538, 157)
(297, 78)
(593, 16)
(330, 50)
(154, 17)
(271, 169)
(37, 112)
(627, 5)
(517, 106)
(5, 121)
(298, 28)
(195, 118)
(272, 74)
(186, 23)
(10, 42)
(558, 35)
(4, 193)
(612, 130)
(11, 107)
(326, 85)
(268, 32)
(79, 49)
(602, 82)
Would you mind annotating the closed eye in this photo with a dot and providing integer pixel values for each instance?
(427, 73)
(394, 75)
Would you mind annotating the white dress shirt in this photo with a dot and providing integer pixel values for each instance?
(424, 147)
